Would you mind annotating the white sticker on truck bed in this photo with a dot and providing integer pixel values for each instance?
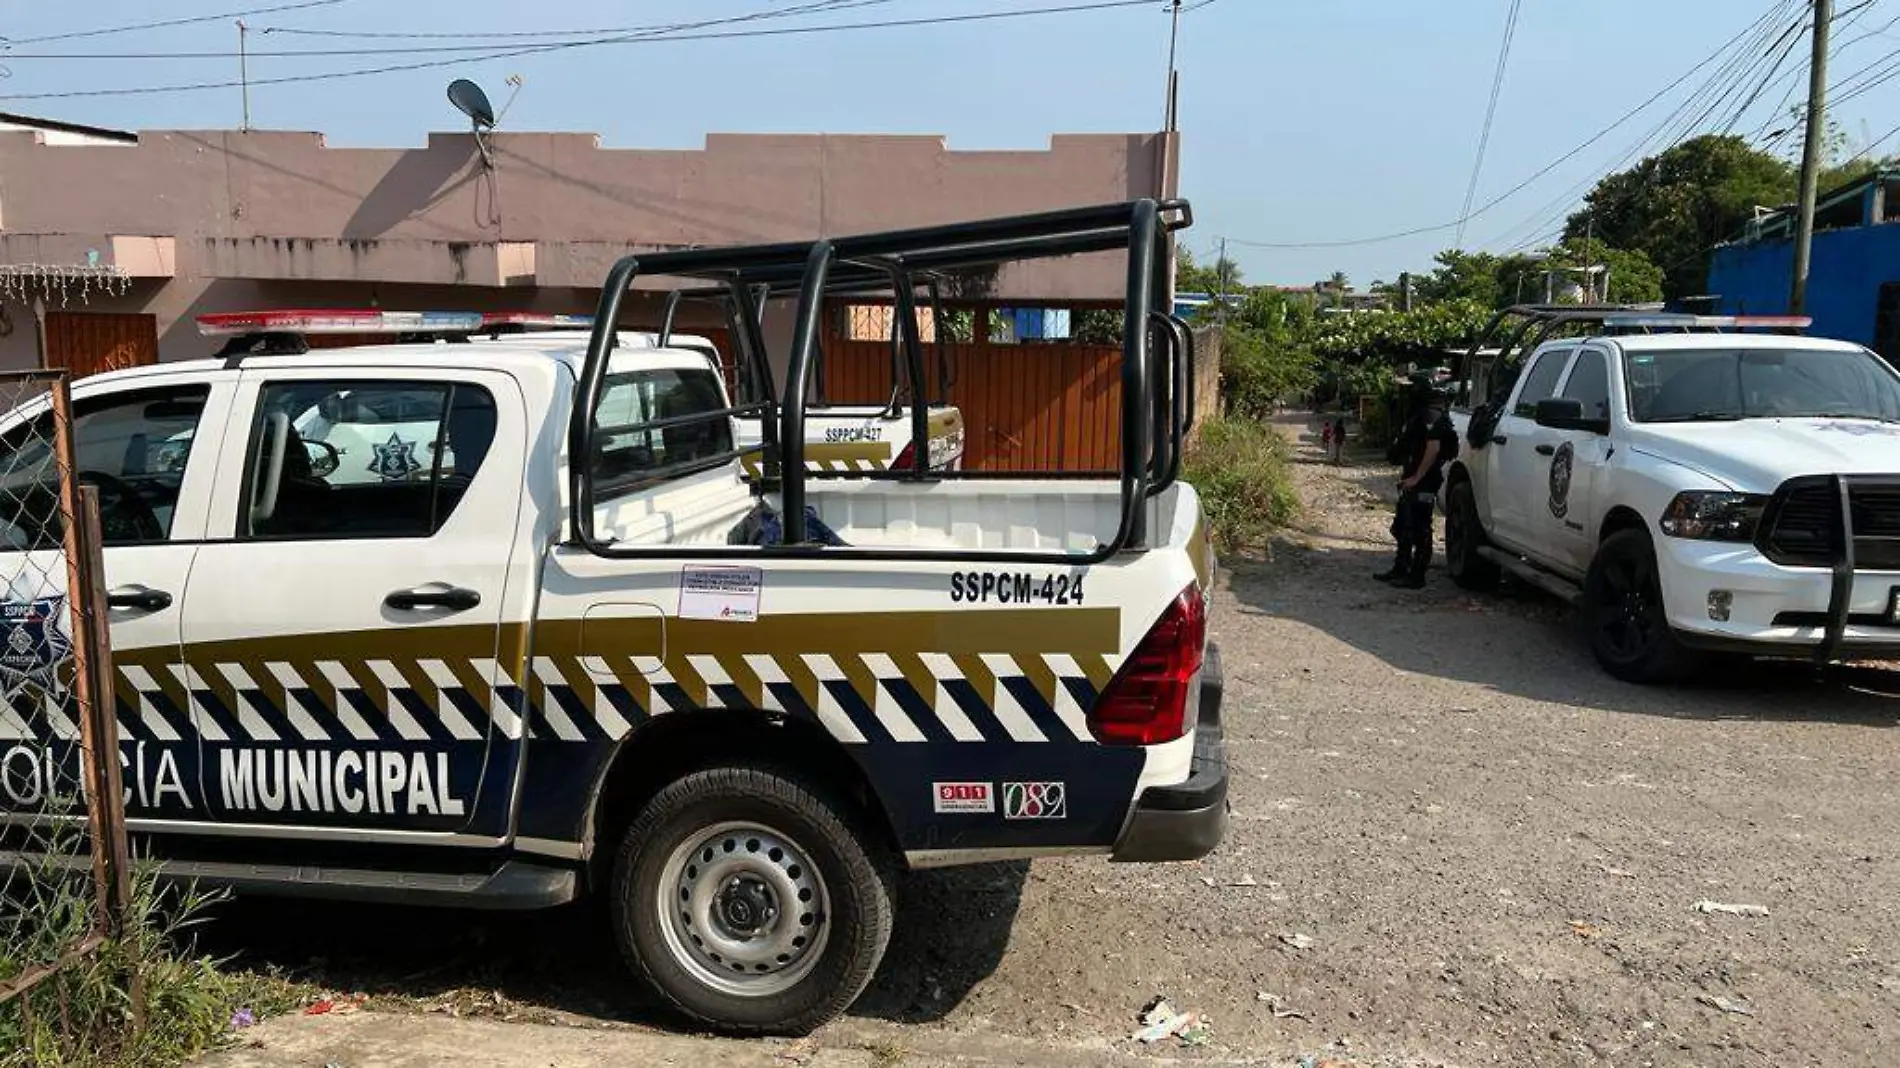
(727, 594)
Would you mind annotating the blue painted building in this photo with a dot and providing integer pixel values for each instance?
(1853, 274)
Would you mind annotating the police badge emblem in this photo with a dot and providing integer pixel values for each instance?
(394, 460)
(34, 646)
(1560, 469)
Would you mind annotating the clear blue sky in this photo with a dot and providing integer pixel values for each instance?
(1302, 121)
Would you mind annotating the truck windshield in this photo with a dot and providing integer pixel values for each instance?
(1708, 385)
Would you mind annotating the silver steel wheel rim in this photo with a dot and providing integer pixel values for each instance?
(743, 909)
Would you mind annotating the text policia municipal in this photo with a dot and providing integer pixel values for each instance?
(274, 779)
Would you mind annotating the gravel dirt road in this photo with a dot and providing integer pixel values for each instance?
(1454, 842)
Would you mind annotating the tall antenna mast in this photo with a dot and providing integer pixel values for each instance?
(244, 74)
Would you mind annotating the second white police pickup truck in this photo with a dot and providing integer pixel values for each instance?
(1699, 493)
(573, 650)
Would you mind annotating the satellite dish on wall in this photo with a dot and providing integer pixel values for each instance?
(469, 99)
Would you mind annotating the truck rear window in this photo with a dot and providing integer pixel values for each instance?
(658, 424)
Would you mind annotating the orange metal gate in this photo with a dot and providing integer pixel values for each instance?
(89, 343)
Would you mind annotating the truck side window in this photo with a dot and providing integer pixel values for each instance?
(1590, 384)
(1540, 382)
(362, 459)
(658, 424)
(133, 446)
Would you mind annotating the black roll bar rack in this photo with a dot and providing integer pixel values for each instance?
(1154, 420)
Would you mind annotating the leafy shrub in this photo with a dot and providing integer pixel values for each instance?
(1241, 469)
(83, 1017)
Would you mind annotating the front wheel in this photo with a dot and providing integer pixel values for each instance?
(1623, 607)
(751, 902)
(1464, 536)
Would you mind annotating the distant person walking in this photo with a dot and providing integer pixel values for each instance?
(1326, 436)
(1339, 439)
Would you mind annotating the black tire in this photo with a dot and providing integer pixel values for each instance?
(790, 820)
(1464, 536)
(1623, 609)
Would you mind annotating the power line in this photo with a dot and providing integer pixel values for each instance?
(1100, 5)
(1733, 73)
(1546, 169)
(168, 23)
(619, 34)
(825, 6)
(1793, 40)
(1490, 114)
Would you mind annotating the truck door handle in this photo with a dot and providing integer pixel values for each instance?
(1547, 450)
(138, 597)
(434, 595)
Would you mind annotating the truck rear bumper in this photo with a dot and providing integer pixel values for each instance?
(1185, 821)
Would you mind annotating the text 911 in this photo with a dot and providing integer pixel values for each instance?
(1005, 587)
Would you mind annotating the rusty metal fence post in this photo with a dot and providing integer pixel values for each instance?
(38, 450)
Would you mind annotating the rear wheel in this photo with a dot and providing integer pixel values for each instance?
(1623, 608)
(751, 901)
(1464, 536)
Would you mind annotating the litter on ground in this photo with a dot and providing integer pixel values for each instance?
(1719, 908)
(1159, 1020)
(1736, 1006)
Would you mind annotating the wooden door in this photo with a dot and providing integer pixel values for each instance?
(89, 343)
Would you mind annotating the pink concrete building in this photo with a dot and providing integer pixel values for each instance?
(110, 243)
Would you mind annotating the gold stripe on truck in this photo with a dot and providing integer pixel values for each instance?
(828, 456)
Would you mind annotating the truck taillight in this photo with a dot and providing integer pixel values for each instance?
(906, 459)
(1147, 701)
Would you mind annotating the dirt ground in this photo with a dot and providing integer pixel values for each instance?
(1454, 842)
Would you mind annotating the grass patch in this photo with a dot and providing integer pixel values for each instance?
(83, 1017)
(1242, 471)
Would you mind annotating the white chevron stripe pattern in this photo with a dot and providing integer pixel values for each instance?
(442, 705)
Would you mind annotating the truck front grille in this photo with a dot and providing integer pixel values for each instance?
(1802, 525)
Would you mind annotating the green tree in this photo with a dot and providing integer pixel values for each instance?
(1098, 326)
(1265, 356)
(1223, 276)
(1634, 279)
(1460, 275)
(1490, 281)
(1839, 165)
(1676, 206)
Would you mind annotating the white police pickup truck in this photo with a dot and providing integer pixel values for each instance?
(587, 656)
(1698, 493)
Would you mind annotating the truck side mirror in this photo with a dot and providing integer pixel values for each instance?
(1564, 413)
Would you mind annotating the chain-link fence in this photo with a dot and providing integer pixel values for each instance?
(65, 868)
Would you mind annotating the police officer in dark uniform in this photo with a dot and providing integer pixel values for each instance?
(1423, 447)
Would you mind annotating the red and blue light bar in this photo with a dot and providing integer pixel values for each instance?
(1682, 321)
(374, 321)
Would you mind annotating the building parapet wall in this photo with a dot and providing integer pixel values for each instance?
(556, 209)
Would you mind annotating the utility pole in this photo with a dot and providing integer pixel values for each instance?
(1220, 284)
(1589, 266)
(1405, 291)
(1811, 156)
(244, 74)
